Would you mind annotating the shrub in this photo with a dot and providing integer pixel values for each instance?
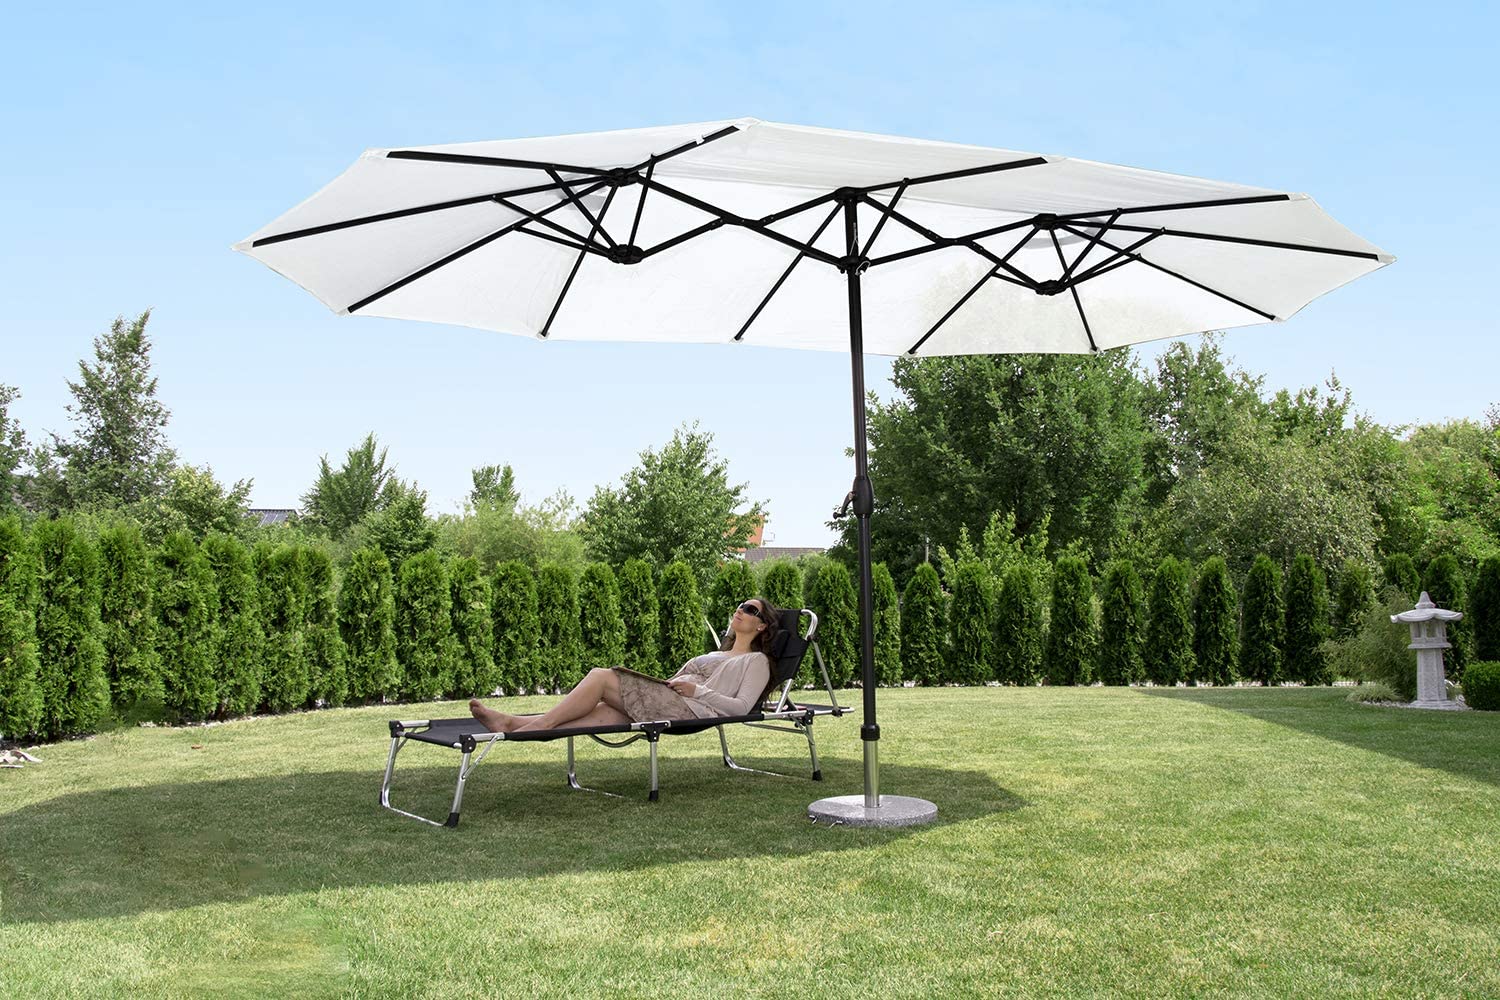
(367, 624)
(970, 659)
(1482, 686)
(1400, 572)
(781, 584)
(1169, 631)
(1262, 624)
(185, 628)
(601, 629)
(1120, 623)
(1071, 636)
(1372, 691)
(517, 626)
(681, 613)
(833, 600)
(125, 615)
(424, 627)
(1356, 598)
(70, 654)
(887, 626)
(1377, 652)
(922, 625)
(732, 584)
(283, 602)
(240, 642)
(1484, 605)
(1444, 583)
(20, 695)
(1306, 622)
(638, 610)
(473, 630)
(1215, 624)
(1019, 630)
(557, 616)
(327, 659)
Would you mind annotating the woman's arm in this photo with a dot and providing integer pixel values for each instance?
(752, 682)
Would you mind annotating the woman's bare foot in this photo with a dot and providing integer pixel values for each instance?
(495, 722)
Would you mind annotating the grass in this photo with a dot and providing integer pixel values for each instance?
(1090, 842)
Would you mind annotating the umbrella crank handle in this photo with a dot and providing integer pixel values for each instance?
(859, 500)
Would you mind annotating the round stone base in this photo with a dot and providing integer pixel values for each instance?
(895, 810)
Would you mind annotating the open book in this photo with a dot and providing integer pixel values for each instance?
(637, 673)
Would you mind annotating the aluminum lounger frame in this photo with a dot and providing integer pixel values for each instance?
(467, 736)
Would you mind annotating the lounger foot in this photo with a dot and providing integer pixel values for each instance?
(452, 820)
(655, 796)
(817, 775)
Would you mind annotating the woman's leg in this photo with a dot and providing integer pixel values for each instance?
(601, 688)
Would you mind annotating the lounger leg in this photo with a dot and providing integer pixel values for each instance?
(573, 777)
(652, 739)
(730, 762)
(812, 748)
(390, 768)
(458, 792)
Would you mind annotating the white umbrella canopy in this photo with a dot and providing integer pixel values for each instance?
(787, 236)
(1038, 253)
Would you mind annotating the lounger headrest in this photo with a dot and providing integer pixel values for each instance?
(788, 648)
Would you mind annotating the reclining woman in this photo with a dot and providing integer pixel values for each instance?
(731, 681)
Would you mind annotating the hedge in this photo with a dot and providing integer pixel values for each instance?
(1071, 636)
(70, 652)
(732, 584)
(1482, 686)
(601, 629)
(970, 657)
(1216, 631)
(922, 626)
(1307, 622)
(833, 600)
(1484, 605)
(1356, 598)
(781, 584)
(474, 673)
(125, 613)
(367, 624)
(20, 693)
(424, 627)
(557, 613)
(1401, 572)
(517, 626)
(1444, 583)
(638, 612)
(1020, 629)
(240, 640)
(887, 626)
(327, 659)
(1121, 621)
(285, 681)
(186, 598)
(681, 612)
(1262, 623)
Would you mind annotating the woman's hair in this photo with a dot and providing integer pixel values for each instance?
(763, 642)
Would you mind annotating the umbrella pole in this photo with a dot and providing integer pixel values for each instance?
(864, 502)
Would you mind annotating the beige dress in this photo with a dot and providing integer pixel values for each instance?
(727, 684)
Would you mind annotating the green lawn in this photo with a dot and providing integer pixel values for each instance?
(1090, 842)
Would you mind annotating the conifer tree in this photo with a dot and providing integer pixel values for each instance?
(1484, 605)
(1307, 624)
(638, 610)
(125, 614)
(1401, 572)
(781, 584)
(186, 633)
(424, 627)
(20, 695)
(1072, 635)
(1169, 631)
(1019, 625)
(517, 626)
(1216, 629)
(557, 610)
(833, 599)
(70, 653)
(474, 673)
(1122, 617)
(923, 623)
(1444, 583)
(285, 680)
(1356, 598)
(367, 624)
(969, 624)
(681, 612)
(601, 629)
(327, 659)
(887, 627)
(239, 654)
(732, 584)
(1262, 624)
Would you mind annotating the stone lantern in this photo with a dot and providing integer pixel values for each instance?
(1429, 637)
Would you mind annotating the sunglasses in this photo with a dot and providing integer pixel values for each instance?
(751, 609)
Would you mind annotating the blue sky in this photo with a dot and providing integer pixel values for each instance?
(142, 140)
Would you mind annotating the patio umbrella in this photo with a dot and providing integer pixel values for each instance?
(757, 233)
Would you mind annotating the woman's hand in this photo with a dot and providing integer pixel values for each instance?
(685, 688)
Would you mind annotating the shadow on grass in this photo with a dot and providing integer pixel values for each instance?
(1466, 744)
(169, 846)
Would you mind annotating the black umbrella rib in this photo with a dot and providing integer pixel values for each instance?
(531, 216)
(365, 220)
(787, 273)
(547, 327)
(491, 161)
(946, 243)
(993, 272)
(885, 214)
(1068, 269)
(582, 209)
(1073, 290)
(1243, 241)
(821, 199)
(727, 218)
(562, 242)
(1178, 206)
(948, 175)
(1117, 259)
(459, 253)
(965, 241)
(641, 203)
(1180, 277)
